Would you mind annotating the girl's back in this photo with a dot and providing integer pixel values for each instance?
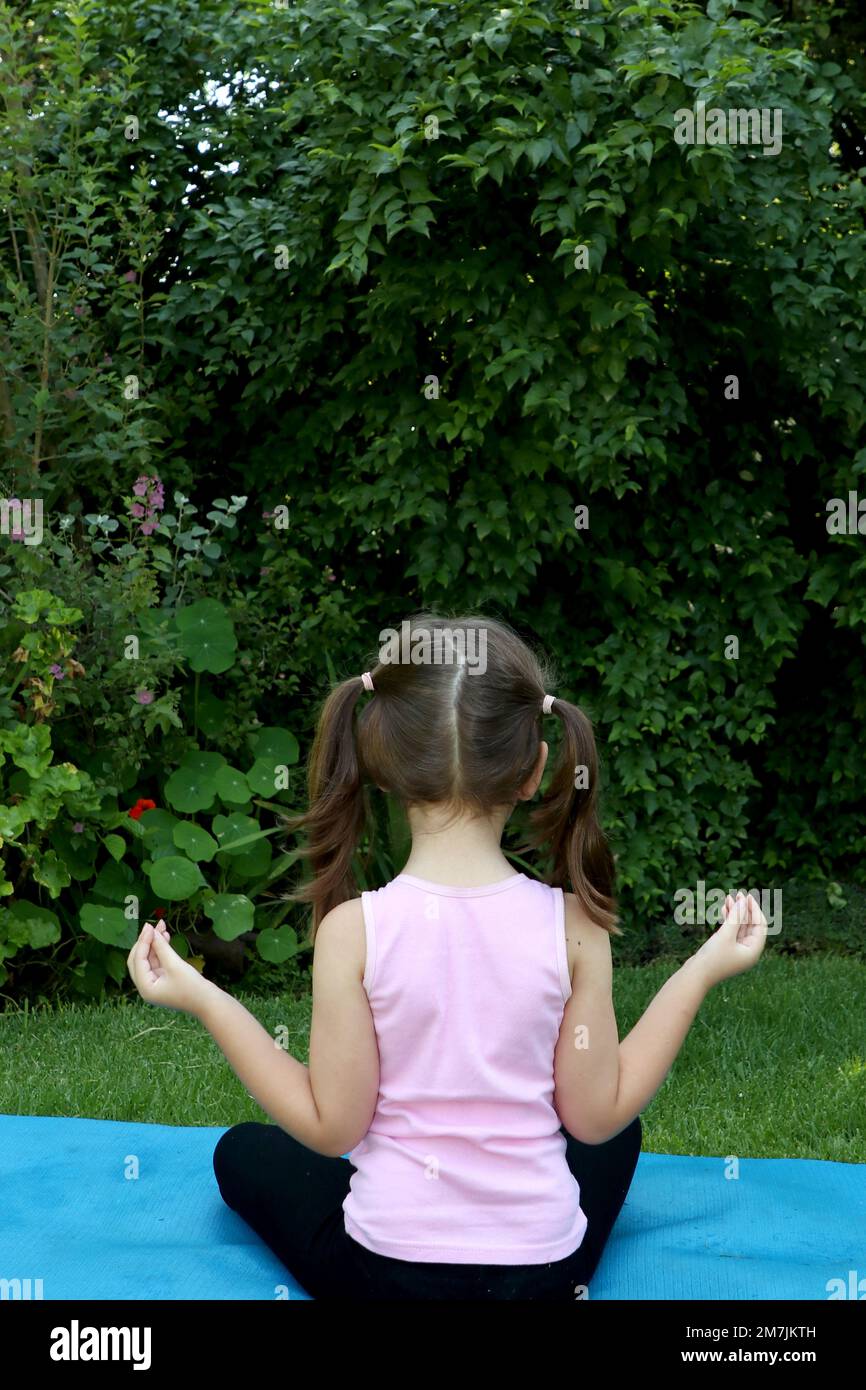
(464, 1161)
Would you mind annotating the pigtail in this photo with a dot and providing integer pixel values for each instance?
(335, 820)
(566, 821)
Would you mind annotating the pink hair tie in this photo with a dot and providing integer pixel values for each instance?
(547, 703)
(368, 680)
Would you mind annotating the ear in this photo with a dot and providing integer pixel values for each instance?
(530, 786)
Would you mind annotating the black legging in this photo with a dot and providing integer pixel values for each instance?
(293, 1198)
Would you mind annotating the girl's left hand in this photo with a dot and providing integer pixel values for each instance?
(163, 977)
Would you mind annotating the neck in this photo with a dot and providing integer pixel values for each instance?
(459, 851)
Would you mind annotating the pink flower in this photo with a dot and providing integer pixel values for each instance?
(140, 485)
(78, 310)
(144, 697)
(130, 277)
(78, 827)
(137, 510)
(147, 528)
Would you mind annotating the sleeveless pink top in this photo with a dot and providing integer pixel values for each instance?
(464, 1162)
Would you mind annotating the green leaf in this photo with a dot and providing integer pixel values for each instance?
(263, 776)
(114, 882)
(108, 925)
(190, 788)
(39, 926)
(195, 842)
(279, 745)
(116, 846)
(174, 878)
(28, 746)
(212, 712)
(51, 872)
(277, 944)
(232, 786)
(232, 914)
(206, 636)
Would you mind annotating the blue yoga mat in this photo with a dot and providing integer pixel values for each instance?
(782, 1230)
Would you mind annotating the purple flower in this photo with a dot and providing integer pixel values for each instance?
(147, 528)
(140, 485)
(130, 276)
(78, 827)
(137, 510)
(144, 697)
(57, 671)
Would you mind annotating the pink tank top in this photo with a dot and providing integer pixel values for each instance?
(464, 1162)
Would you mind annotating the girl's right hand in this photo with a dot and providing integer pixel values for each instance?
(738, 943)
(163, 977)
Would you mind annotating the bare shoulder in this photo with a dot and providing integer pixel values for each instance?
(586, 940)
(341, 936)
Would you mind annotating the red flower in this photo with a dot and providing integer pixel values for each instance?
(141, 805)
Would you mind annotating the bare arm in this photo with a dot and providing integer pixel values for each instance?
(327, 1106)
(602, 1084)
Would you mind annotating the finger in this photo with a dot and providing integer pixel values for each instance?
(142, 958)
(734, 920)
(163, 951)
(130, 959)
(759, 925)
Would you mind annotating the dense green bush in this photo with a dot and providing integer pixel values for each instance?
(334, 263)
(114, 805)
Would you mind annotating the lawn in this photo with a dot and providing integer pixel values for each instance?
(774, 1066)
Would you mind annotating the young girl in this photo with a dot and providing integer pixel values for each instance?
(463, 1050)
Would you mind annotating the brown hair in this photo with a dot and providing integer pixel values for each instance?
(438, 732)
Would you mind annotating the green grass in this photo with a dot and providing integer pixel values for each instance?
(774, 1065)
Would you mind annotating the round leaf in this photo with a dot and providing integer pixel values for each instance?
(195, 842)
(278, 745)
(232, 914)
(190, 789)
(253, 861)
(108, 925)
(232, 786)
(174, 878)
(277, 944)
(207, 637)
(236, 833)
(265, 777)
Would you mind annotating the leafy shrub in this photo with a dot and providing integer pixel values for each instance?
(354, 290)
(84, 723)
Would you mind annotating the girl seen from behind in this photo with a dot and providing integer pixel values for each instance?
(463, 1050)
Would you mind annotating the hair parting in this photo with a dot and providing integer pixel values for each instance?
(449, 733)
